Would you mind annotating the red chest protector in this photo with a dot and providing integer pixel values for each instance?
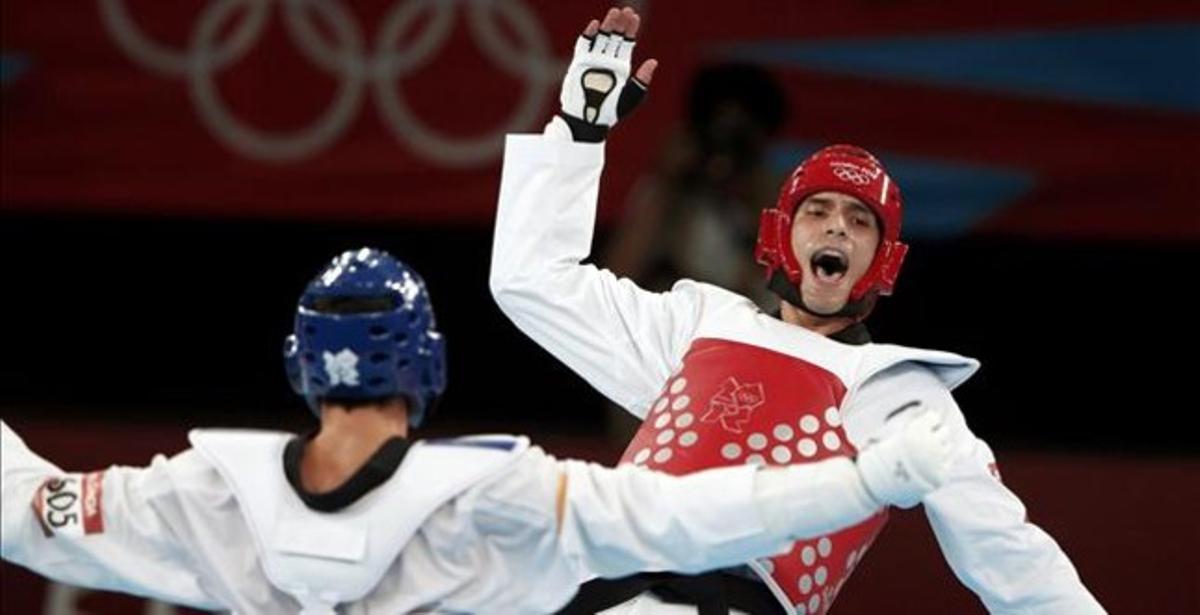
(737, 403)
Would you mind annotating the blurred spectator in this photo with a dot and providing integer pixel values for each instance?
(696, 214)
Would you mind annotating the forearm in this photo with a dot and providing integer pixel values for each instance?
(981, 526)
(546, 209)
(22, 474)
(543, 231)
(1011, 564)
(626, 520)
(544, 224)
(621, 339)
(92, 530)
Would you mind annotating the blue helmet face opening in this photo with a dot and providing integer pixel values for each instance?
(365, 330)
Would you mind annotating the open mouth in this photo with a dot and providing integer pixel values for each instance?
(830, 265)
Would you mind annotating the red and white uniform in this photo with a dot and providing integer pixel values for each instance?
(720, 383)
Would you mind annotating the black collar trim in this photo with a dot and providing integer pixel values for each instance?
(855, 335)
(376, 471)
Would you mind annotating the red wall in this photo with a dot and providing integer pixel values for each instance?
(106, 114)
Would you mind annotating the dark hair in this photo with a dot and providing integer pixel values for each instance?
(344, 304)
(354, 404)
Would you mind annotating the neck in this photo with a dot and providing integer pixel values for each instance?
(825, 325)
(348, 438)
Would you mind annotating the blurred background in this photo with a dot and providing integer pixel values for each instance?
(172, 173)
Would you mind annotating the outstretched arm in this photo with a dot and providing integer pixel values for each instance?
(582, 520)
(102, 529)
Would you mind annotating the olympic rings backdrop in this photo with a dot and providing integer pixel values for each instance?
(173, 171)
(1019, 119)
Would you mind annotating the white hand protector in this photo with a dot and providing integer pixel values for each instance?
(598, 89)
(902, 468)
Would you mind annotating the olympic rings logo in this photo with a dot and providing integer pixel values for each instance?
(357, 69)
(853, 173)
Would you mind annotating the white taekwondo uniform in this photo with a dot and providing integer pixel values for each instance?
(718, 382)
(482, 524)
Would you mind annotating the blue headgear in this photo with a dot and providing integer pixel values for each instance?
(383, 345)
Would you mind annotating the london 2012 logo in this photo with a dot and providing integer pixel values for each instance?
(379, 67)
(733, 403)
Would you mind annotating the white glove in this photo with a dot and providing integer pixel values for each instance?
(902, 468)
(598, 89)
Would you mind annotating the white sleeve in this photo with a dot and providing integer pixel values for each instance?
(614, 522)
(1011, 564)
(623, 340)
(619, 521)
(98, 530)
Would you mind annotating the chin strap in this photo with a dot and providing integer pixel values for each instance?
(785, 290)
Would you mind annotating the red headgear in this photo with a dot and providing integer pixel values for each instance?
(849, 170)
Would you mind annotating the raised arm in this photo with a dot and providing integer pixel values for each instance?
(621, 339)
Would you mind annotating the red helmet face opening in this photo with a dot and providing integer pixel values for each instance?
(849, 170)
